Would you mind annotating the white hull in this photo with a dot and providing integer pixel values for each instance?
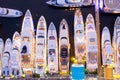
(6, 58)
(91, 43)
(15, 55)
(6, 12)
(69, 3)
(117, 44)
(106, 47)
(52, 49)
(40, 58)
(1, 53)
(79, 39)
(64, 47)
(27, 44)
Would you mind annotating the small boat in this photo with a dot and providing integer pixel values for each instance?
(40, 56)
(27, 44)
(52, 47)
(64, 46)
(79, 38)
(6, 12)
(106, 47)
(69, 3)
(91, 43)
(117, 44)
(15, 55)
(110, 6)
(1, 54)
(6, 58)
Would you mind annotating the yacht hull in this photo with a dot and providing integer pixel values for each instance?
(15, 56)
(64, 46)
(79, 38)
(40, 56)
(91, 43)
(106, 47)
(6, 58)
(27, 44)
(52, 49)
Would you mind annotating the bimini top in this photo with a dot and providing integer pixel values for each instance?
(110, 6)
(69, 3)
(6, 12)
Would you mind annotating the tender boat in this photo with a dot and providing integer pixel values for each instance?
(6, 58)
(79, 37)
(52, 47)
(15, 56)
(91, 43)
(40, 56)
(69, 3)
(27, 44)
(64, 46)
(106, 47)
(1, 54)
(117, 44)
(6, 12)
(110, 6)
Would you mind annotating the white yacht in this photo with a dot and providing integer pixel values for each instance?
(70, 3)
(117, 45)
(6, 58)
(40, 56)
(15, 63)
(110, 6)
(106, 47)
(79, 36)
(1, 53)
(6, 12)
(52, 48)
(27, 44)
(64, 46)
(91, 44)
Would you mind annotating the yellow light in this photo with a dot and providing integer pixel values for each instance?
(12, 76)
(72, 59)
(46, 68)
(23, 75)
(75, 61)
(116, 76)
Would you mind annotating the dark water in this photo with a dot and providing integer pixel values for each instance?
(52, 14)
